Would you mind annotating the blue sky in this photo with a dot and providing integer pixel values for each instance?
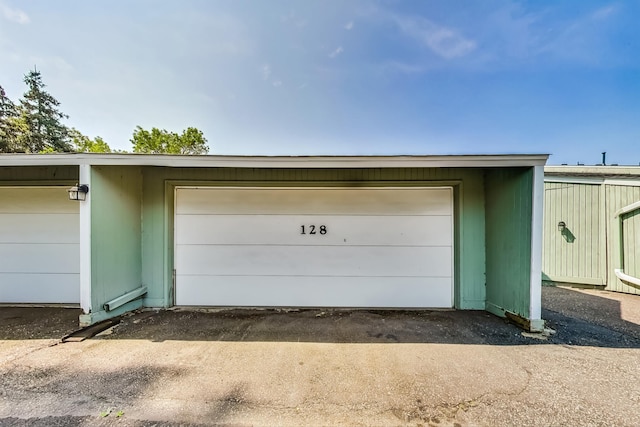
(341, 77)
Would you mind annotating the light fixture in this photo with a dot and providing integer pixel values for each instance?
(561, 226)
(78, 192)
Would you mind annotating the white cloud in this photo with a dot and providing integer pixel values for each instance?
(348, 25)
(603, 13)
(267, 76)
(583, 39)
(266, 71)
(445, 42)
(291, 18)
(14, 15)
(405, 68)
(336, 52)
(515, 35)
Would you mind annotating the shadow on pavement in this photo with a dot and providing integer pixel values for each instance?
(32, 323)
(579, 318)
(592, 317)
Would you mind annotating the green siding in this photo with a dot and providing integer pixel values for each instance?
(116, 246)
(617, 197)
(470, 256)
(576, 254)
(39, 175)
(589, 212)
(508, 239)
(157, 213)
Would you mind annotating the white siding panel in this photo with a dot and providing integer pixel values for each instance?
(341, 230)
(39, 288)
(36, 200)
(39, 246)
(388, 247)
(39, 258)
(379, 292)
(368, 261)
(39, 228)
(313, 201)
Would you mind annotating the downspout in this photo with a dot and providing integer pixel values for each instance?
(123, 299)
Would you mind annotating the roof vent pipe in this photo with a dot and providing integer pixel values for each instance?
(604, 158)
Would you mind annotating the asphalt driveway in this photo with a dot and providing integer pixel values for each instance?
(314, 367)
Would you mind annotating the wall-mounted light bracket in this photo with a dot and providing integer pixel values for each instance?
(562, 226)
(78, 192)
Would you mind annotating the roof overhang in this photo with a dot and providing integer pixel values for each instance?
(593, 171)
(215, 161)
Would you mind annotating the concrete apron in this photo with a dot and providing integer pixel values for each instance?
(270, 383)
(325, 369)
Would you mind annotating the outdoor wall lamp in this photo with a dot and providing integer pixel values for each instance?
(78, 192)
(561, 226)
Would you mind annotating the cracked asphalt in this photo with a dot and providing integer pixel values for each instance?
(327, 367)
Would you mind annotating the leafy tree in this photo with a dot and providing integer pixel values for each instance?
(156, 141)
(83, 144)
(40, 117)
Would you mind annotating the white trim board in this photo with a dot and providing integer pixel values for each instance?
(628, 182)
(85, 242)
(574, 180)
(535, 286)
(304, 162)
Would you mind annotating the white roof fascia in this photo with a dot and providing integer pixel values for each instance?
(630, 171)
(506, 160)
(575, 179)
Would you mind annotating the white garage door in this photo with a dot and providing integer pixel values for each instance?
(39, 246)
(320, 247)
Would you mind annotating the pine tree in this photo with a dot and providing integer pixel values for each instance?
(41, 118)
(8, 131)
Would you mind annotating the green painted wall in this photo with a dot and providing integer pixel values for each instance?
(617, 197)
(588, 252)
(508, 239)
(157, 214)
(116, 232)
(39, 175)
(576, 254)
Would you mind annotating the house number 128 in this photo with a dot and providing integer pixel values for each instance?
(312, 229)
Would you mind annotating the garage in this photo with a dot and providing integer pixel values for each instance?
(314, 247)
(39, 246)
(158, 231)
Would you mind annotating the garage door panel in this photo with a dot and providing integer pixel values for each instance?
(360, 201)
(39, 228)
(39, 288)
(340, 230)
(314, 261)
(39, 258)
(384, 247)
(39, 245)
(36, 200)
(315, 292)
